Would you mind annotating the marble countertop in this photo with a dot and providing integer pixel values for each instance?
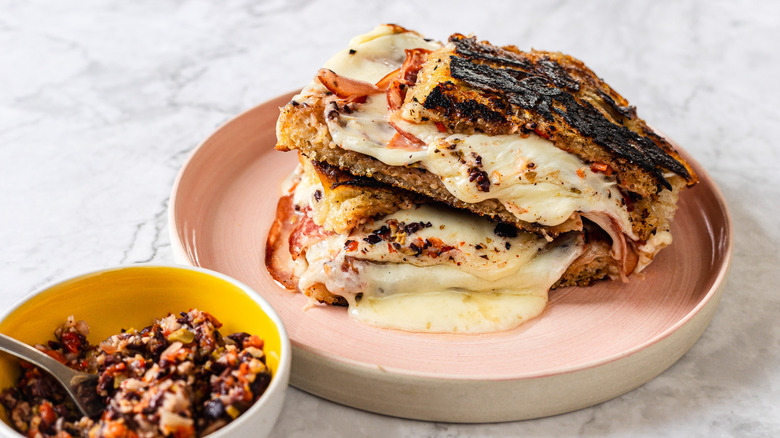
(102, 102)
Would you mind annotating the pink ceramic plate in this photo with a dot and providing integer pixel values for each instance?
(590, 345)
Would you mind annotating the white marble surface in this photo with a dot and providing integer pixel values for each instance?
(101, 102)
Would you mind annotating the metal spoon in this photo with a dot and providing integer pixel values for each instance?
(80, 386)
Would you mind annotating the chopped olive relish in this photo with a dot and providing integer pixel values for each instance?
(178, 377)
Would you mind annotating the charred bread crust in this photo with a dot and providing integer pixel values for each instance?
(472, 86)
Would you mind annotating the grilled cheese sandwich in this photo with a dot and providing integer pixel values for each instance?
(533, 141)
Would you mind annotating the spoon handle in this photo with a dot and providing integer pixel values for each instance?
(36, 357)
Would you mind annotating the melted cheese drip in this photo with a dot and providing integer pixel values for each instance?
(530, 176)
(450, 312)
(451, 300)
(488, 283)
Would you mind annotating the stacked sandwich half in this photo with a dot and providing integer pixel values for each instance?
(447, 187)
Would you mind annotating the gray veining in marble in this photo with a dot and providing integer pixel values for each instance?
(101, 103)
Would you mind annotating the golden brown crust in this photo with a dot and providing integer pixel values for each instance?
(348, 201)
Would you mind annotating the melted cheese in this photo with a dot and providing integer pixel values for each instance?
(529, 175)
(448, 299)
(371, 56)
(481, 282)
(367, 131)
(450, 311)
(533, 179)
(647, 252)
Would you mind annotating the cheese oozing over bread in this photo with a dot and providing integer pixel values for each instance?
(435, 269)
(534, 180)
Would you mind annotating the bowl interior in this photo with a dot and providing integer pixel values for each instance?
(132, 297)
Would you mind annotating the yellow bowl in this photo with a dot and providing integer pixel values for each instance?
(132, 297)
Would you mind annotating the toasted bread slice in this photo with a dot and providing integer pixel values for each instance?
(426, 126)
(339, 203)
(302, 127)
(471, 86)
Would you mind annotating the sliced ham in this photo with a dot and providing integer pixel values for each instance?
(291, 234)
(415, 58)
(277, 253)
(388, 79)
(623, 250)
(404, 140)
(305, 234)
(346, 88)
(403, 78)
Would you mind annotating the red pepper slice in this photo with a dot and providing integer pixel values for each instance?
(71, 341)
